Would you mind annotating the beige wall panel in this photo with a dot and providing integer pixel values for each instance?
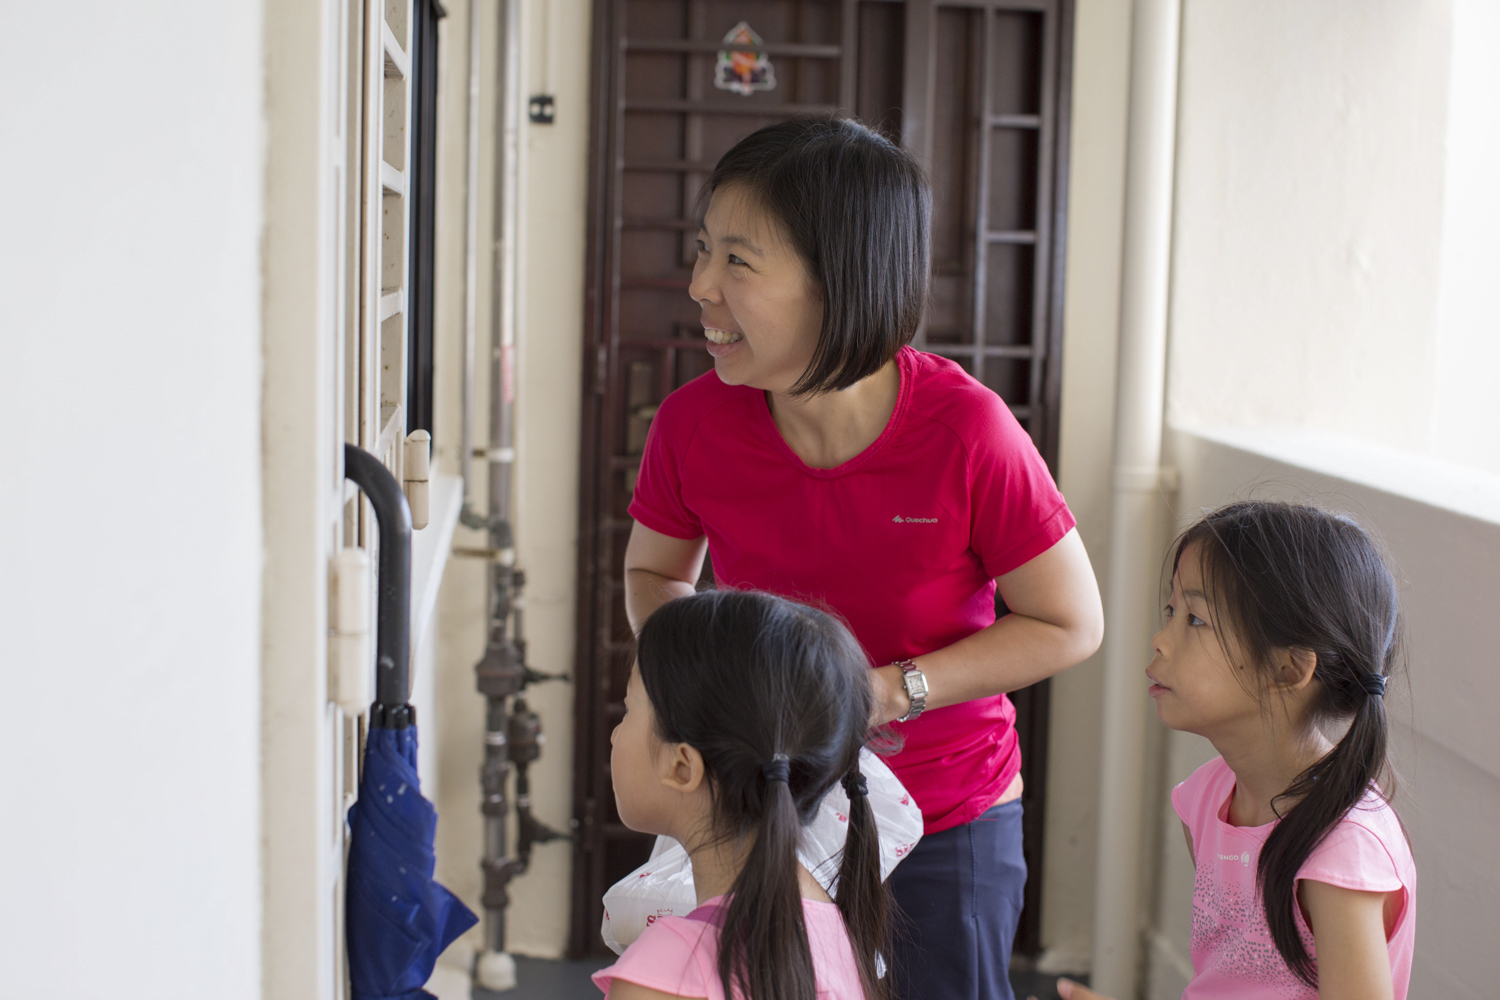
(1101, 68)
(1309, 215)
(461, 611)
(554, 198)
(130, 508)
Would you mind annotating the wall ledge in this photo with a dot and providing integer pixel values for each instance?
(1437, 483)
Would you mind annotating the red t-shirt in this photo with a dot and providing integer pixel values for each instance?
(904, 540)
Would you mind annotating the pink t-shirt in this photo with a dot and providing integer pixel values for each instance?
(680, 955)
(1232, 951)
(904, 540)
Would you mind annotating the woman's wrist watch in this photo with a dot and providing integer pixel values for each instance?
(916, 689)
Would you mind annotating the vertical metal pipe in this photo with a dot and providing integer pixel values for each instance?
(471, 259)
(502, 671)
(1137, 519)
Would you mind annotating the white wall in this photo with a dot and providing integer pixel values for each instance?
(552, 238)
(1465, 425)
(1096, 183)
(1335, 260)
(130, 520)
(461, 610)
(554, 199)
(1309, 215)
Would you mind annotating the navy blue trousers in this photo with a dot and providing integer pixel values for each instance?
(958, 896)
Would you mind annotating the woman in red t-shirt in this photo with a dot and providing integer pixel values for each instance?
(825, 460)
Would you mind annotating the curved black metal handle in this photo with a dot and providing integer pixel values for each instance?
(393, 603)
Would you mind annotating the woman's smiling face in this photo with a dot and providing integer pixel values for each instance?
(762, 311)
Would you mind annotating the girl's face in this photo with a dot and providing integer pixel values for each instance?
(1196, 687)
(636, 762)
(762, 311)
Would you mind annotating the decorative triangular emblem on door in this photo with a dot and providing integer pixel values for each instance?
(740, 71)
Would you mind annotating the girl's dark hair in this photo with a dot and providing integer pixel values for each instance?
(742, 677)
(1292, 576)
(856, 207)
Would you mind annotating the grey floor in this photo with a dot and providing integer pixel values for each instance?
(541, 979)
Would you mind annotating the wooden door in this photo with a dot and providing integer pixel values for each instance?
(661, 118)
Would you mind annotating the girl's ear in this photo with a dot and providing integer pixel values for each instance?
(681, 767)
(1294, 669)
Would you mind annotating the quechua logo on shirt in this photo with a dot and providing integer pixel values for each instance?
(898, 519)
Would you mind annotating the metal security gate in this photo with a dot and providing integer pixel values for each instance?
(977, 90)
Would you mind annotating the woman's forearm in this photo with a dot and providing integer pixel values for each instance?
(646, 591)
(658, 568)
(1014, 652)
(1056, 620)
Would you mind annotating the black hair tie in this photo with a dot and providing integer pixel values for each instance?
(855, 786)
(778, 768)
(1374, 684)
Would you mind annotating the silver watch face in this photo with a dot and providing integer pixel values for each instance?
(916, 684)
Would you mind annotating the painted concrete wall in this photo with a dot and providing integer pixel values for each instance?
(130, 519)
(1465, 423)
(549, 366)
(549, 300)
(1101, 71)
(1309, 215)
(461, 610)
(1335, 259)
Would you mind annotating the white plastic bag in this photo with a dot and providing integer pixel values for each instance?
(663, 886)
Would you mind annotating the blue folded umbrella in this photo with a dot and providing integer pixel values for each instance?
(398, 919)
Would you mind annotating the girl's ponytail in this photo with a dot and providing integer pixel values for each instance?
(861, 895)
(1328, 790)
(1294, 577)
(763, 942)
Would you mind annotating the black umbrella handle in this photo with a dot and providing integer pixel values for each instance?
(393, 604)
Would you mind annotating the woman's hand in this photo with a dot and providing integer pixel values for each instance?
(1069, 990)
(888, 684)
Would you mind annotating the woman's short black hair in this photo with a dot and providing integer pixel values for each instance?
(856, 207)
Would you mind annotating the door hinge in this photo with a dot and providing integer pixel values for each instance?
(418, 474)
(601, 369)
(349, 660)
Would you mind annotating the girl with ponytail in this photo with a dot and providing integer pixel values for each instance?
(1282, 630)
(742, 711)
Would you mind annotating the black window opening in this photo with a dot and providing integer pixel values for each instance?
(422, 185)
